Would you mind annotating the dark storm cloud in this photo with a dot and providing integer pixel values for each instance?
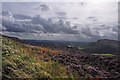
(90, 33)
(21, 16)
(13, 27)
(43, 7)
(75, 26)
(5, 13)
(50, 27)
(37, 25)
(21, 27)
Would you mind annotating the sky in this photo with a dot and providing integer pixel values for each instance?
(83, 21)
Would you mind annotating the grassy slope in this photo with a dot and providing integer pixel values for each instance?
(104, 54)
(23, 61)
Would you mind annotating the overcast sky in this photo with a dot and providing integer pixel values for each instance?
(68, 21)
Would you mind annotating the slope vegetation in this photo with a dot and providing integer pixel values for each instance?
(25, 61)
(22, 60)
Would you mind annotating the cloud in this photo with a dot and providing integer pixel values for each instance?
(90, 33)
(50, 27)
(82, 4)
(19, 27)
(95, 19)
(92, 18)
(6, 13)
(37, 24)
(43, 7)
(61, 13)
(11, 27)
(115, 28)
(75, 18)
(21, 16)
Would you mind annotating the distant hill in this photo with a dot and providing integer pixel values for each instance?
(112, 43)
(103, 46)
(15, 39)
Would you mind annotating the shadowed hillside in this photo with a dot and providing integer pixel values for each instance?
(103, 46)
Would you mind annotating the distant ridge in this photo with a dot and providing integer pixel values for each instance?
(16, 39)
(107, 42)
(113, 43)
(103, 46)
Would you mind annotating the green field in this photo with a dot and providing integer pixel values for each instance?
(80, 48)
(105, 54)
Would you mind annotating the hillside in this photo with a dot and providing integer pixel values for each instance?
(103, 46)
(22, 60)
(26, 61)
(109, 42)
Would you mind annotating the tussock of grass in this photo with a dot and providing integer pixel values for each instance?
(21, 62)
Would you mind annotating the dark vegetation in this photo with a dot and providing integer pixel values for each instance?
(100, 48)
(24, 60)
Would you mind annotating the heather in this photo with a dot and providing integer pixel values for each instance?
(24, 60)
